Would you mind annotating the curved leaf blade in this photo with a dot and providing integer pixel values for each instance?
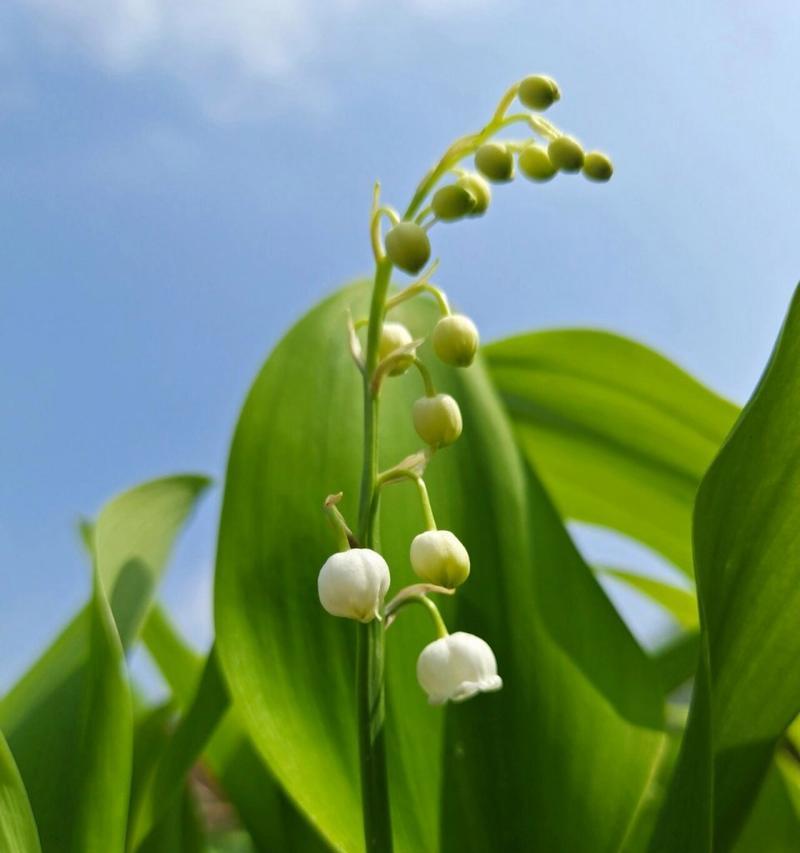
(41, 715)
(619, 435)
(103, 760)
(17, 827)
(747, 552)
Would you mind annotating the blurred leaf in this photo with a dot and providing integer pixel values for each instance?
(619, 435)
(179, 664)
(181, 751)
(41, 715)
(17, 827)
(556, 761)
(681, 603)
(774, 824)
(676, 662)
(747, 552)
(269, 816)
(101, 764)
(179, 829)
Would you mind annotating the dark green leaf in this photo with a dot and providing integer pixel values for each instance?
(17, 827)
(269, 816)
(747, 554)
(181, 751)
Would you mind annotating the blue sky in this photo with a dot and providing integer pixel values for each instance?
(180, 180)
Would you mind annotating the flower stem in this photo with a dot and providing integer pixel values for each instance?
(371, 636)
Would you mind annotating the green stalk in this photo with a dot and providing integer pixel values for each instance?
(371, 636)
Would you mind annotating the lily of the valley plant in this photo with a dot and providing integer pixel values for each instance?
(354, 582)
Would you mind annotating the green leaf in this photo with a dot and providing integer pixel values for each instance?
(747, 554)
(41, 715)
(559, 759)
(269, 816)
(179, 829)
(676, 662)
(101, 764)
(619, 435)
(17, 827)
(181, 751)
(774, 824)
(681, 603)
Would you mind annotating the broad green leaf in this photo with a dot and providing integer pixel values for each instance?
(516, 761)
(747, 555)
(619, 435)
(101, 764)
(271, 819)
(41, 713)
(17, 827)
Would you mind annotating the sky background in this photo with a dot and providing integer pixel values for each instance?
(181, 179)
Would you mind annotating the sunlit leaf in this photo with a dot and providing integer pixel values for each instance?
(619, 435)
(41, 715)
(102, 756)
(681, 603)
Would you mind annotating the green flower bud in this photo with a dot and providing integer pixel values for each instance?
(535, 163)
(394, 336)
(566, 154)
(437, 420)
(538, 92)
(597, 166)
(408, 246)
(452, 202)
(495, 162)
(455, 340)
(438, 557)
(473, 183)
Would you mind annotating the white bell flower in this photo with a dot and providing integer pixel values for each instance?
(438, 557)
(457, 667)
(353, 584)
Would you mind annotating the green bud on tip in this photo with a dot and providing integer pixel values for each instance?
(394, 336)
(455, 340)
(495, 162)
(437, 420)
(538, 92)
(408, 246)
(597, 166)
(535, 163)
(481, 191)
(566, 154)
(452, 202)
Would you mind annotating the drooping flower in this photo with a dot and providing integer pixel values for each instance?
(353, 584)
(456, 667)
(438, 557)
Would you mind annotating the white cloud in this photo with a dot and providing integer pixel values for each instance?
(223, 50)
